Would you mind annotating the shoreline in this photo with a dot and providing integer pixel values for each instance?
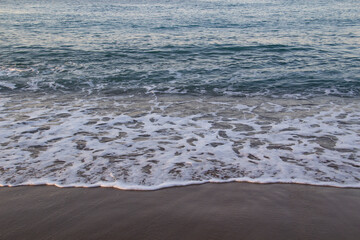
(205, 211)
(176, 185)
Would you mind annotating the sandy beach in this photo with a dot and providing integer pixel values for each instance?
(208, 211)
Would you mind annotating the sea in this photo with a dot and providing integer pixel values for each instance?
(147, 94)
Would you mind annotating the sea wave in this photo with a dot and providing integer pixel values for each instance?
(157, 141)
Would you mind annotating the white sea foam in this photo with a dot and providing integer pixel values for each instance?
(147, 143)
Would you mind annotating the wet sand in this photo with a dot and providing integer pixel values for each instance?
(209, 211)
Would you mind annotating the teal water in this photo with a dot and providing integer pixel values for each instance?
(245, 48)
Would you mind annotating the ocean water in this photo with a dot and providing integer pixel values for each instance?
(152, 94)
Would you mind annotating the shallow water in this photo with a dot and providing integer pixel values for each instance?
(245, 48)
(149, 94)
(156, 141)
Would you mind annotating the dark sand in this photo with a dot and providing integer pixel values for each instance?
(209, 211)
